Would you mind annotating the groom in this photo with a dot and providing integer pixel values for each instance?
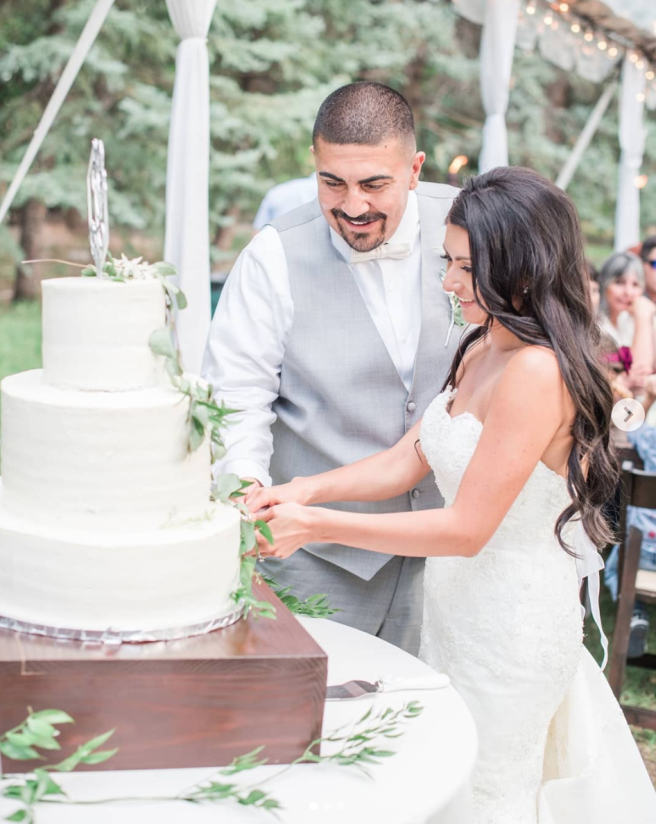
(330, 336)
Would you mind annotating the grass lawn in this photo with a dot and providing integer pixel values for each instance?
(20, 349)
(20, 337)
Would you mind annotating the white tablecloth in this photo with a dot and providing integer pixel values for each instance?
(425, 782)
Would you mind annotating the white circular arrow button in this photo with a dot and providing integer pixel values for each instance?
(628, 415)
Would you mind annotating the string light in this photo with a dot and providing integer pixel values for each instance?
(553, 9)
(640, 97)
(457, 163)
(640, 181)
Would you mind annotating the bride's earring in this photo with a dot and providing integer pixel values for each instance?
(525, 290)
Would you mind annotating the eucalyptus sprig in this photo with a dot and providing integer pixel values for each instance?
(315, 606)
(229, 489)
(39, 732)
(359, 747)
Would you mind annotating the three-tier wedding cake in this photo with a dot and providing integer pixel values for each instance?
(106, 522)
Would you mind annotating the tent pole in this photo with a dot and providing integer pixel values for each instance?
(75, 61)
(583, 141)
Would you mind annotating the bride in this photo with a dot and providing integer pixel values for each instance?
(519, 444)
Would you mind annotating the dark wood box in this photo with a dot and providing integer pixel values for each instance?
(191, 703)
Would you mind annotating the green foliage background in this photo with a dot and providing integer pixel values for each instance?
(272, 62)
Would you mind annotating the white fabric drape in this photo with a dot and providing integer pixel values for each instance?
(497, 47)
(75, 61)
(632, 143)
(187, 244)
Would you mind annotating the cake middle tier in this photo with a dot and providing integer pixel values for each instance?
(105, 461)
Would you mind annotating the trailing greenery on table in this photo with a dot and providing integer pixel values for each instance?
(358, 745)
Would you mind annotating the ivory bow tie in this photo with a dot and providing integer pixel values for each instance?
(394, 251)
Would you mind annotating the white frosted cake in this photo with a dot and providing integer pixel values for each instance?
(106, 523)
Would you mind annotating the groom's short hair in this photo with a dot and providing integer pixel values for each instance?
(364, 113)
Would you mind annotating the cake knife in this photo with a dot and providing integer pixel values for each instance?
(388, 683)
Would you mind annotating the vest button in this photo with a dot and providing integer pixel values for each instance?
(411, 406)
(416, 493)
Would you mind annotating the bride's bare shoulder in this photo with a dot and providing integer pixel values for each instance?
(534, 369)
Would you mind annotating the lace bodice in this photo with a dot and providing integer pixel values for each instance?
(449, 444)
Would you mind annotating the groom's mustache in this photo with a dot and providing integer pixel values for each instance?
(367, 217)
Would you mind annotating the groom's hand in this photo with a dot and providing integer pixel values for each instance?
(264, 497)
(251, 490)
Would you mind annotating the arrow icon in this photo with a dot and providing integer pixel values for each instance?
(628, 415)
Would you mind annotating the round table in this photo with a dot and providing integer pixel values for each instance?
(427, 781)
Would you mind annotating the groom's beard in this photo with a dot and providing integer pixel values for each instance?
(362, 241)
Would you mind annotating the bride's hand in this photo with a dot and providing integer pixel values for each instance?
(292, 526)
(260, 497)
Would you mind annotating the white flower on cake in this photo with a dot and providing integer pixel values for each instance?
(138, 268)
(124, 269)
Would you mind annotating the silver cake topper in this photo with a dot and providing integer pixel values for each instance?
(97, 205)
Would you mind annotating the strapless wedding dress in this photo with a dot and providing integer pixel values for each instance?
(506, 627)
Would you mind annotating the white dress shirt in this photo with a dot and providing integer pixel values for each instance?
(251, 325)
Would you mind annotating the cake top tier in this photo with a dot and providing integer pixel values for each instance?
(96, 332)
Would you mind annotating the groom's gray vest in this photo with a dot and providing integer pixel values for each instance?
(341, 398)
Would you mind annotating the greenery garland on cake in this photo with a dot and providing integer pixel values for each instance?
(206, 419)
(357, 745)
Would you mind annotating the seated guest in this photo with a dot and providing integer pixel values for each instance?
(648, 257)
(644, 441)
(626, 314)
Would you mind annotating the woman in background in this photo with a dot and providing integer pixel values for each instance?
(626, 314)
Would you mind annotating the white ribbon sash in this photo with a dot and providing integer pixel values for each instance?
(588, 565)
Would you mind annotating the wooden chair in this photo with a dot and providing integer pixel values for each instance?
(638, 488)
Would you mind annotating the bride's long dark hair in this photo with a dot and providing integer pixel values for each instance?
(527, 250)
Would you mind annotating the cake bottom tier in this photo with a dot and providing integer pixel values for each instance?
(140, 586)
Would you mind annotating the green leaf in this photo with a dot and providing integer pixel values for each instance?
(245, 762)
(46, 785)
(98, 741)
(253, 797)
(52, 717)
(18, 752)
(19, 815)
(201, 413)
(225, 485)
(196, 434)
(165, 269)
(173, 367)
(88, 272)
(181, 299)
(99, 757)
(218, 450)
(161, 343)
(248, 540)
(265, 530)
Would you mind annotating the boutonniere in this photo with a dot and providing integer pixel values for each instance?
(456, 308)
